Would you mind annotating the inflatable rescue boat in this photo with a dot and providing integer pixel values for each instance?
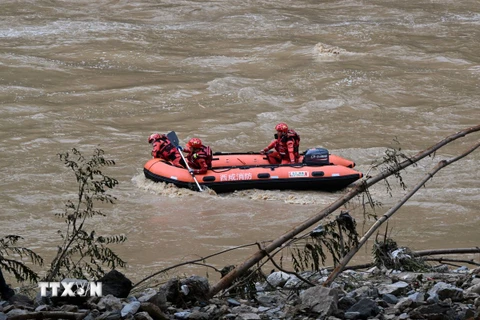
(316, 170)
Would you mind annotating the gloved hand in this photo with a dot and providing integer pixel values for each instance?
(190, 171)
(263, 151)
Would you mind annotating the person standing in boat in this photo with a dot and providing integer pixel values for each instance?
(164, 149)
(286, 145)
(199, 157)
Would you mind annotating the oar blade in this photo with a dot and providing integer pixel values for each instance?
(172, 136)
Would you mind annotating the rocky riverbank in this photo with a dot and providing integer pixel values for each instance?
(372, 294)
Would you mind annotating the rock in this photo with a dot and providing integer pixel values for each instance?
(346, 302)
(182, 315)
(16, 312)
(248, 316)
(159, 299)
(444, 290)
(417, 297)
(389, 298)
(108, 303)
(354, 295)
(397, 288)
(277, 279)
(142, 316)
(195, 289)
(116, 284)
(433, 311)
(153, 311)
(365, 308)
(147, 295)
(21, 301)
(320, 300)
(130, 308)
(473, 289)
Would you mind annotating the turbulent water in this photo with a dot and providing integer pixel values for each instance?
(353, 77)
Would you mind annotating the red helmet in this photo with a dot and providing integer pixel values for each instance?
(282, 127)
(153, 137)
(195, 143)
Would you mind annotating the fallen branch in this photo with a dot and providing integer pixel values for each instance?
(442, 164)
(424, 253)
(195, 261)
(445, 260)
(357, 188)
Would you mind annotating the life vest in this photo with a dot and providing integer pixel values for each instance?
(281, 145)
(163, 148)
(205, 153)
(292, 135)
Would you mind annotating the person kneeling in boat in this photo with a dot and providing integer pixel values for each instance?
(286, 145)
(199, 157)
(164, 149)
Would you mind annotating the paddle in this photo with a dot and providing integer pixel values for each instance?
(172, 136)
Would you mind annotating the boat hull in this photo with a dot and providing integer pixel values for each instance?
(233, 172)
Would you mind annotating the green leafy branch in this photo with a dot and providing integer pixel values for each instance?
(22, 272)
(83, 254)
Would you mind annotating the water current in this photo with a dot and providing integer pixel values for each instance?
(355, 77)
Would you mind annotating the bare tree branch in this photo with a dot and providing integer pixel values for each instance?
(195, 261)
(445, 260)
(423, 253)
(357, 188)
(419, 156)
(442, 164)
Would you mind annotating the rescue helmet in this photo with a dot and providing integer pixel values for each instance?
(153, 137)
(195, 143)
(282, 127)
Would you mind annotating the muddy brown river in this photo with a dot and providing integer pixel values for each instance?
(353, 77)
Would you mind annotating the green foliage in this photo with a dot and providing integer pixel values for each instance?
(337, 238)
(22, 272)
(83, 254)
(390, 161)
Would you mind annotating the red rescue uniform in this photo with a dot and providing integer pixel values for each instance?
(164, 149)
(199, 159)
(286, 148)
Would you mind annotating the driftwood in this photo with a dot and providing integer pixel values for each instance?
(452, 261)
(423, 253)
(356, 188)
(442, 164)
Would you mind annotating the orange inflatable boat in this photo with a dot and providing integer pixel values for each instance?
(317, 170)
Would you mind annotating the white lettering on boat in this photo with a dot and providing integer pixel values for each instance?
(295, 174)
(236, 176)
